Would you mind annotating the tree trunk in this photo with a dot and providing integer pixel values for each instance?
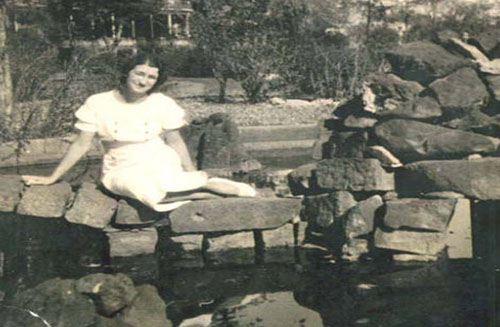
(5, 78)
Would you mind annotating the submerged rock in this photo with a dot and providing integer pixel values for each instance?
(266, 309)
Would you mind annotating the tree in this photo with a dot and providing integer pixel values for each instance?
(92, 15)
(5, 77)
(245, 40)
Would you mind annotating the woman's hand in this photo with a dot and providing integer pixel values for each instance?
(38, 180)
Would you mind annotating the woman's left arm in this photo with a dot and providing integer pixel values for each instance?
(174, 139)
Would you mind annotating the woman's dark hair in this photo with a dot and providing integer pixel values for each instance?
(128, 61)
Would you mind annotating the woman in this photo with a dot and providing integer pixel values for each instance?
(129, 121)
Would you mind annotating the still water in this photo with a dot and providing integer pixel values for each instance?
(316, 292)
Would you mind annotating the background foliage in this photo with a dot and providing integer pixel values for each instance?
(295, 48)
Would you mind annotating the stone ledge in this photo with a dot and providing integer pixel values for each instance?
(233, 214)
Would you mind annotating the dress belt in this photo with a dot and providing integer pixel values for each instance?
(109, 145)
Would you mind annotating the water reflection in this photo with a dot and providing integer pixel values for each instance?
(376, 293)
(456, 294)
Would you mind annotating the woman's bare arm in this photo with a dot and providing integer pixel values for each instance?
(77, 149)
(175, 141)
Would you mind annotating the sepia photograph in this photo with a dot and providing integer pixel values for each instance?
(249, 163)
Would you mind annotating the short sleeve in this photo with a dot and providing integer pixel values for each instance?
(86, 118)
(173, 116)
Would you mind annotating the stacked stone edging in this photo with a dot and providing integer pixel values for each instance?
(430, 127)
(210, 228)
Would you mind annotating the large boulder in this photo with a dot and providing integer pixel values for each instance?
(423, 62)
(56, 301)
(214, 142)
(352, 174)
(91, 207)
(477, 179)
(233, 214)
(413, 141)
(423, 214)
(390, 92)
(389, 95)
(462, 90)
(45, 201)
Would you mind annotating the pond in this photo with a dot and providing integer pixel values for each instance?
(315, 292)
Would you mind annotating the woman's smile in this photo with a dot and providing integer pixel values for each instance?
(141, 79)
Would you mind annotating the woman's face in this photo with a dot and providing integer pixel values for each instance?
(141, 79)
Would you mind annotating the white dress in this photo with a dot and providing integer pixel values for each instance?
(138, 163)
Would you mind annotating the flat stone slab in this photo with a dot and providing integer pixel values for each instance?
(461, 90)
(423, 61)
(459, 232)
(429, 243)
(10, 190)
(127, 243)
(477, 179)
(131, 212)
(233, 214)
(91, 207)
(237, 248)
(45, 201)
(279, 244)
(414, 141)
(432, 215)
(352, 174)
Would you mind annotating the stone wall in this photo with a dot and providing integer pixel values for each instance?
(405, 160)
(202, 233)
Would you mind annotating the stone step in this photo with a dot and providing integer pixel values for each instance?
(280, 148)
(233, 214)
(278, 133)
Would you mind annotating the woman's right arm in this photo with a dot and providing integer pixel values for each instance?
(77, 149)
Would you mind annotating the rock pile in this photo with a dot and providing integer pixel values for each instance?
(405, 159)
(94, 300)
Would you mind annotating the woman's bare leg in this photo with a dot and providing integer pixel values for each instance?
(189, 196)
(229, 187)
